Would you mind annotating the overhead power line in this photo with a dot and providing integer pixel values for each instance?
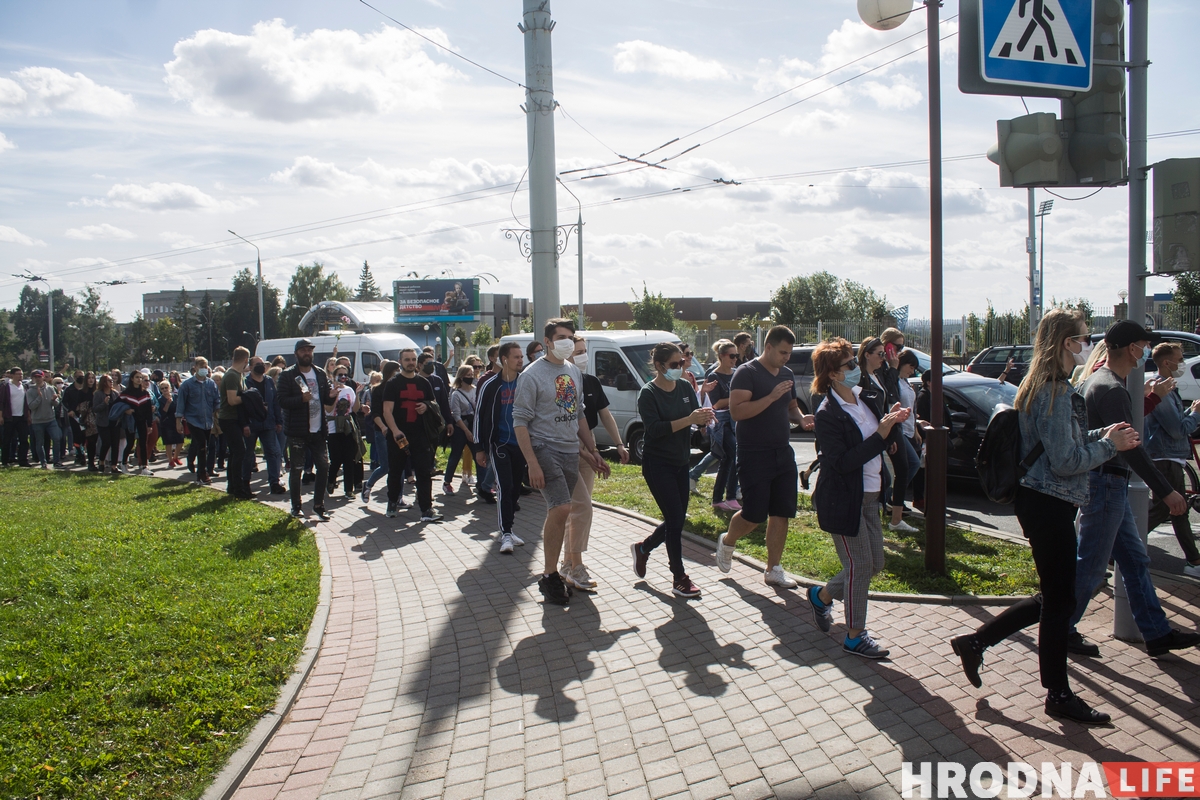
(442, 47)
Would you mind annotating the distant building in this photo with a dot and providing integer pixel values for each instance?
(379, 317)
(156, 305)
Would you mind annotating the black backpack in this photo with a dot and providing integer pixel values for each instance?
(999, 461)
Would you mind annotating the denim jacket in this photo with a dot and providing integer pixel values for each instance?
(1168, 428)
(197, 402)
(1071, 450)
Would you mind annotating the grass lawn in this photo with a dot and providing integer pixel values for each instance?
(145, 625)
(975, 563)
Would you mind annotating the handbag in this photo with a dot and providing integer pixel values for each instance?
(435, 429)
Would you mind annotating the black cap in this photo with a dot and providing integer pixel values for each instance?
(303, 343)
(157, 375)
(1126, 332)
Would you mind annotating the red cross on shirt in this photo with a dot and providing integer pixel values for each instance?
(411, 395)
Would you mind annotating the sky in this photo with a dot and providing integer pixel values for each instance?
(134, 134)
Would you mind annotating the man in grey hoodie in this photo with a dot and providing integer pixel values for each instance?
(43, 401)
(549, 424)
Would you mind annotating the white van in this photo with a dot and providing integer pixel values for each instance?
(366, 351)
(621, 360)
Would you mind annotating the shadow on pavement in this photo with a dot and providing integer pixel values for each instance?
(687, 645)
(546, 663)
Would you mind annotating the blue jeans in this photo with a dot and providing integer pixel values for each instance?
(379, 455)
(271, 452)
(487, 481)
(41, 453)
(1107, 528)
(906, 462)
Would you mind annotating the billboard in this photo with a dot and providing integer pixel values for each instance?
(437, 300)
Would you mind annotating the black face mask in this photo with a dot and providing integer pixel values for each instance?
(428, 368)
(468, 381)
(260, 369)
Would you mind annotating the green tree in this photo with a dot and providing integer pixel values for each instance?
(310, 285)
(686, 332)
(368, 290)
(31, 325)
(861, 302)
(807, 299)
(526, 325)
(652, 312)
(482, 337)
(505, 329)
(581, 323)
(167, 340)
(210, 336)
(10, 350)
(459, 338)
(1187, 289)
(96, 330)
(141, 339)
(185, 320)
(240, 319)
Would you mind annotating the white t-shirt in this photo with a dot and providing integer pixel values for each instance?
(867, 425)
(344, 393)
(908, 399)
(314, 404)
(16, 392)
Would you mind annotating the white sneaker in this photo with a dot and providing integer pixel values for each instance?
(517, 540)
(581, 579)
(724, 554)
(1191, 570)
(692, 484)
(506, 543)
(901, 527)
(775, 576)
(145, 471)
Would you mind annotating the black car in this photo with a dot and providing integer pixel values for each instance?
(972, 400)
(991, 361)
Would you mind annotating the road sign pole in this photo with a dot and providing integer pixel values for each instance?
(1139, 495)
(1034, 319)
(935, 447)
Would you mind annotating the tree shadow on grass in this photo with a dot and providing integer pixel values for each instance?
(166, 489)
(209, 506)
(283, 531)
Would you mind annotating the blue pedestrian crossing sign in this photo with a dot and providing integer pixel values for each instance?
(1037, 43)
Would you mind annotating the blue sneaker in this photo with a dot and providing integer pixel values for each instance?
(822, 613)
(865, 646)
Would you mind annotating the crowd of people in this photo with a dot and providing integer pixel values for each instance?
(524, 420)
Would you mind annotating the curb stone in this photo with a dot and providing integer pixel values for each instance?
(891, 597)
(239, 764)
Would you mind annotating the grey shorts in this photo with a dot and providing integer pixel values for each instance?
(562, 473)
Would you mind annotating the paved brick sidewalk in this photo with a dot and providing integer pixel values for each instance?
(443, 675)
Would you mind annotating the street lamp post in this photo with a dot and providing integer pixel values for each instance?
(49, 308)
(209, 315)
(578, 226)
(262, 330)
(1040, 284)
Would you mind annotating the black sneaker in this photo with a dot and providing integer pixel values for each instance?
(554, 590)
(321, 513)
(1082, 647)
(1175, 640)
(683, 587)
(391, 511)
(279, 489)
(1076, 710)
(526, 489)
(298, 513)
(431, 516)
(822, 613)
(970, 650)
(486, 496)
(639, 560)
(307, 478)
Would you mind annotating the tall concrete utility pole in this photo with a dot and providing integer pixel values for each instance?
(1139, 494)
(1031, 245)
(539, 119)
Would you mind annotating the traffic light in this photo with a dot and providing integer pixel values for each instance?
(1177, 216)
(1087, 147)
(1029, 151)
(1094, 121)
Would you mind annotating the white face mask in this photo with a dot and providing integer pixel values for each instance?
(563, 348)
(1084, 353)
(1177, 373)
(581, 361)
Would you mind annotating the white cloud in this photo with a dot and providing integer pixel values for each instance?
(37, 91)
(641, 56)
(899, 94)
(443, 172)
(90, 233)
(702, 241)
(6, 143)
(177, 240)
(625, 240)
(276, 74)
(309, 172)
(14, 236)
(819, 121)
(164, 197)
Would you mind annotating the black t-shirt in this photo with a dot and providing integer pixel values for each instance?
(594, 399)
(770, 429)
(406, 393)
(721, 390)
(376, 406)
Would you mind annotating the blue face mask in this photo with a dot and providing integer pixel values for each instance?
(1145, 357)
(202, 373)
(673, 374)
(853, 376)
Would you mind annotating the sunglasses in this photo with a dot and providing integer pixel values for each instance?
(851, 364)
(674, 364)
(730, 354)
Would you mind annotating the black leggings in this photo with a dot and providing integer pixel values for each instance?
(343, 454)
(109, 439)
(669, 486)
(1049, 524)
(140, 432)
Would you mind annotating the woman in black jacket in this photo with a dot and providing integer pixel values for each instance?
(852, 435)
(141, 408)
